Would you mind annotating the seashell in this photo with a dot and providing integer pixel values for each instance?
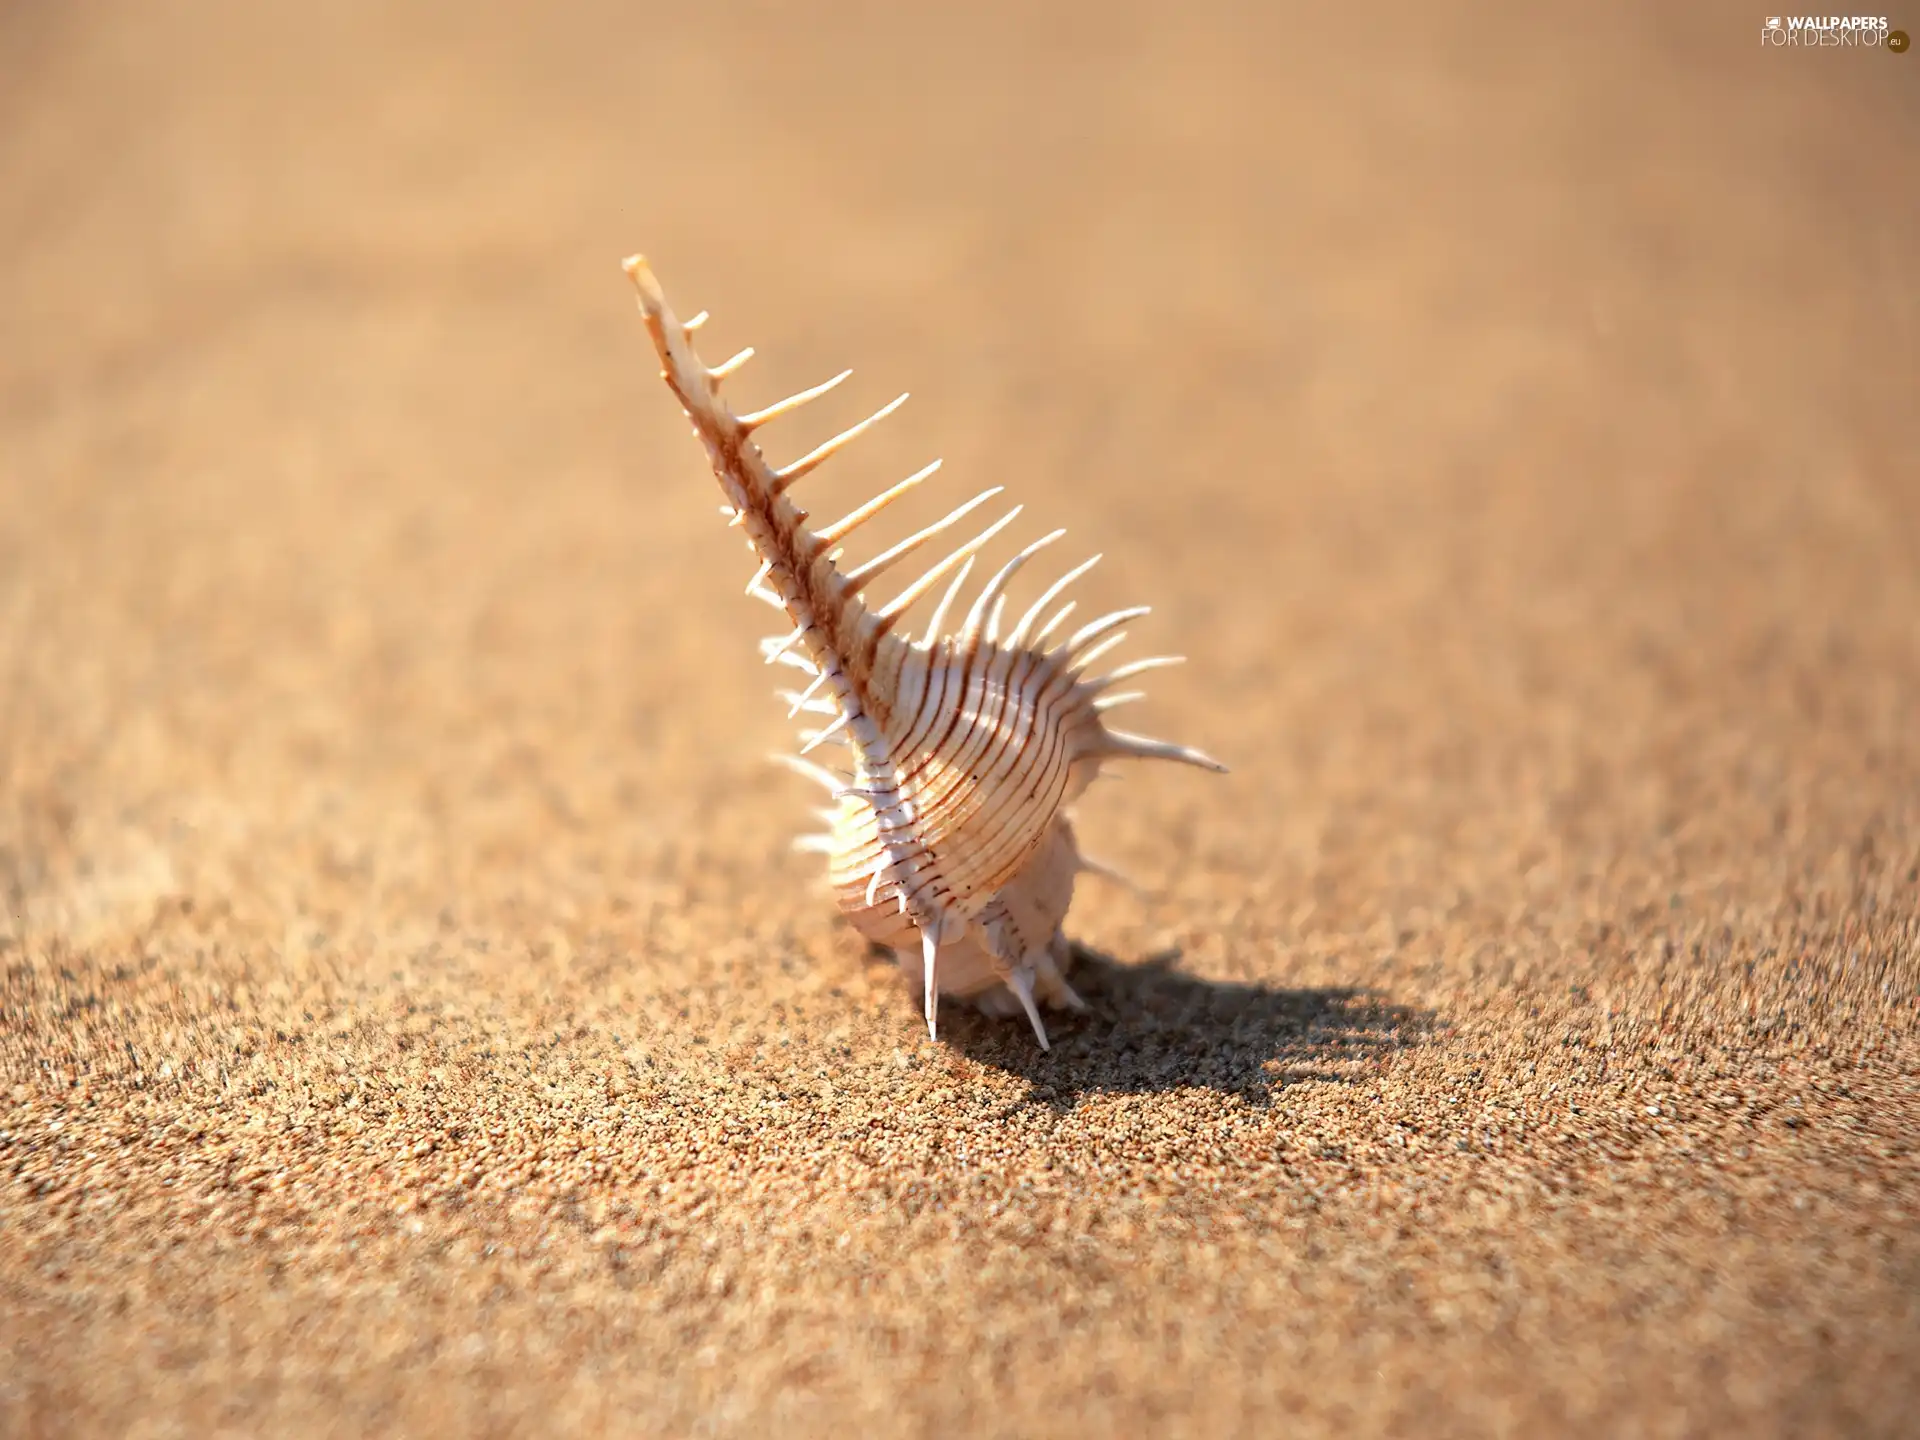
(948, 841)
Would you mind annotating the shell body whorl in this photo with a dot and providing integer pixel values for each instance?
(949, 841)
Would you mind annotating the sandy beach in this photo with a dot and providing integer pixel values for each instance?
(413, 1017)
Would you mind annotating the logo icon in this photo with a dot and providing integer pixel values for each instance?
(1897, 41)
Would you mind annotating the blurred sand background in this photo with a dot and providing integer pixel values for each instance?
(413, 1020)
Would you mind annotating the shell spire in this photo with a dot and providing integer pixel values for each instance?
(950, 842)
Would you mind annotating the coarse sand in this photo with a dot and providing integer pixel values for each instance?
(414, 1020)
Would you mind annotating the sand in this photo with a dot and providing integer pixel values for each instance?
(414, 1020)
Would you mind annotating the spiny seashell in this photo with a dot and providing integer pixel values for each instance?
(949, 841)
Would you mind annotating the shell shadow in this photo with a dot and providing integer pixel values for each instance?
(1149, 1028)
